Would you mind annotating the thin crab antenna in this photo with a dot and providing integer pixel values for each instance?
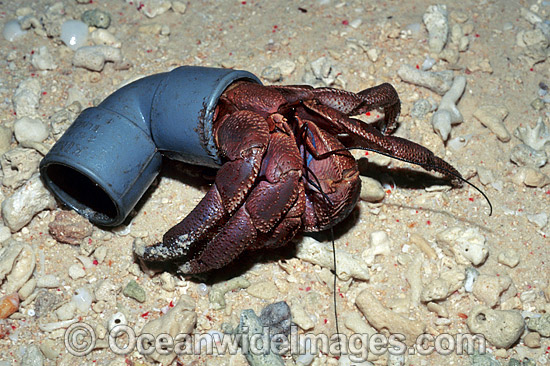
(430, 166)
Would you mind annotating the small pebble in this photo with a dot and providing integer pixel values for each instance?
(179, 7)
(373, 54)
(524, 155)
(509, 257)
(300, 317)
(531, 177)
(251, 326)
(30, 129)
(177, 321)
(537, 104)
(277, 317)
(70, 227)
(540, 324)
(540, 219)
(532, 340)
(82, 299)
(488, 288)
(66, 311)
(272, 74)
(48, 281)
(26, 98)
(27, 289)
(492, 117)
(167, 282)
(100, 253)
(485, 359)
(134, 291)
(500, 327)
(467, 245)
(43, 59)
(12, 30)
(32, 356)
(263, 290)
(371, 190)
(76, 271)
(421, 108)
(103, 37)
(74, 34)
(94, 57)
(96, 18)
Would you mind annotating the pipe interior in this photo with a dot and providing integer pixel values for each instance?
(81, 193)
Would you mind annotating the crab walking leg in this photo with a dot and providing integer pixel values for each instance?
(277, 194)
(364, 135)
(351, 104)
(243, 138)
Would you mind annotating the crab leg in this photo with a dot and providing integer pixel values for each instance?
(364, 135)
(263, 212)
(243, 138)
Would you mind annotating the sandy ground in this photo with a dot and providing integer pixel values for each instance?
(253, 35)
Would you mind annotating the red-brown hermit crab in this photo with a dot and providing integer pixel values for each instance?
(283, 150)
(286, 169)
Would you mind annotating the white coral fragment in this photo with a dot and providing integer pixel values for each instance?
(535, 137)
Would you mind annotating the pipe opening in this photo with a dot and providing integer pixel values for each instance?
(81, 193)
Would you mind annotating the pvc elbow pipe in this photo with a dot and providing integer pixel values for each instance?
(109, 156)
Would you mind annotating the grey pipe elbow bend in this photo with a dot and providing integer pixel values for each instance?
(110, 155)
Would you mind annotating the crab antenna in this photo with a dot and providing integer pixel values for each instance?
(430, 166)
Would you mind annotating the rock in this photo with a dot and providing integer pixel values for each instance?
(437, 24)
(447, 113)
(96, 18)
(76, 271)
(177, 321)
(43, 60)
(18, 165)
(381, 318)
(272, 74)
(218, 291)
(153, 8)
(371, 190)
(524, 155)
(437, 289)
(30, 199)
(263, 290)
(66, 311)
(540, 324)
(532, 340)
(69, 227)
(167, 281)
(300, 317)
(32, 356)
(22, 269)
(179, 7)
(488, 288)
(94, 57)
(509, 257)
(250, 326)
(468, 246)
(27, 98)
(134, 291)
(277, 317)
(105, 38)
(310, 250)
(287, 67)
(531, 177)
(5, 139)
(27, 289)
(492, 117)
(500, 327)
(380, 244)
(30, 129)
(48, 281)
(439, 82)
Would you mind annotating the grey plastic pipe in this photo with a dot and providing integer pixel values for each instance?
(109, 156)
